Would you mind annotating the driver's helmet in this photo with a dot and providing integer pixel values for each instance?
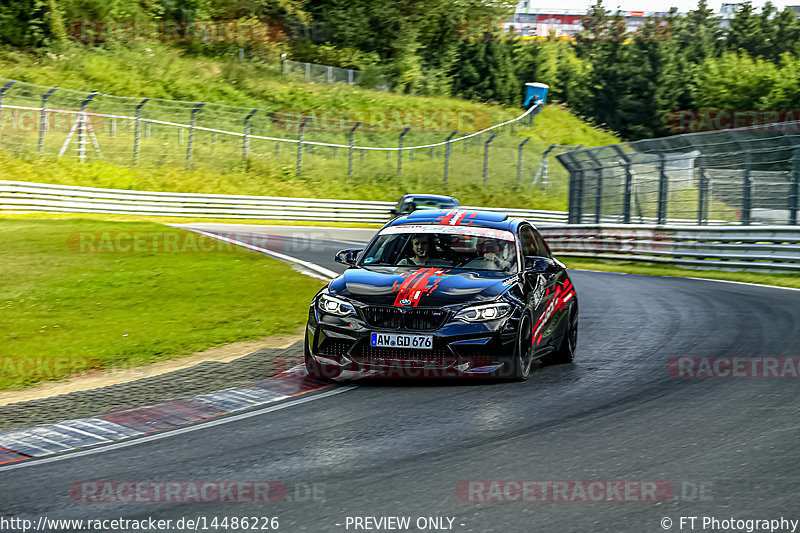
(486, 245)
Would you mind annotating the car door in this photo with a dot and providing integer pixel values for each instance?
(542, 288)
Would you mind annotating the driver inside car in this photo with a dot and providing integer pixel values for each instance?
(424, 246)
(493, 254)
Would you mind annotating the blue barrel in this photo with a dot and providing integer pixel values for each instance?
(533, 90)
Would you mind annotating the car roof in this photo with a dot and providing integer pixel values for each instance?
(459, 217)
(430, 197)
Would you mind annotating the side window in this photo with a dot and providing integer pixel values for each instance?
(532, 243)
(527, 240)
(542, 249)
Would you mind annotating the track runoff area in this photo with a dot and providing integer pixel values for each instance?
(679, 414)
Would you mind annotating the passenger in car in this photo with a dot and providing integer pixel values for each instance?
(424, 247)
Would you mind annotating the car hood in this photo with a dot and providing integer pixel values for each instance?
(420, 286)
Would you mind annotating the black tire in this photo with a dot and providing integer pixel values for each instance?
(318, 371)
(522, 363)
(566, 351)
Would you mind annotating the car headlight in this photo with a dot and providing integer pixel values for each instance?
(334, 306)
(480, 313)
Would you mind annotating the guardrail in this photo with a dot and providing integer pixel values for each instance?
(20, 196)
(773, 248)
(766, 248)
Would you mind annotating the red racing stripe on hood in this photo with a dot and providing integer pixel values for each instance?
(415, 286)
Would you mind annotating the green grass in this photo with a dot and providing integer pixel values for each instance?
(779, 280)
(279, 180)
(163, 72)
(122, 308)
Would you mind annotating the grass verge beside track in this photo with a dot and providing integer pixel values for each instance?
(627, 267)
(63, 307)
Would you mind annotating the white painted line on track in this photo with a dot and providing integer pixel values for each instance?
(189, 226)
(179, 431)
(330, 274)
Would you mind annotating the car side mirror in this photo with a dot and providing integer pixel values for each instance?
(393, 211)
(348, 257)
(538, 264)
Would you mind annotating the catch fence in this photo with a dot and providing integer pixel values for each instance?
(445, 146)
(742, 176)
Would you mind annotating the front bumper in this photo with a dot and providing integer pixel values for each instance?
(459, 348)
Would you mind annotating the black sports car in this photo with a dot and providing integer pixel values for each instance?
(445, 293)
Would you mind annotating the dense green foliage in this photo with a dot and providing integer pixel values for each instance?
(634, 82)
(631, 82)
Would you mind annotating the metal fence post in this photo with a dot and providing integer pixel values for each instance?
(5, 88)
(663, 190)
(82, 124)
(400, 151)
(571, 193)
(702, 194)
(626, 199)
(351, 149)
(246, 138)
(330, 75)
(746, 190)
(195, 110)
(448, 147)
(568, 162)
(308, 72)
(43, 117)
(598, 198)
(137, 129)
(793, 197)
(349, 77)
(579, 196)
(519, 158)
(300, 145)
(486, 157)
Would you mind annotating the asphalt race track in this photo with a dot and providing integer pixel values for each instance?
(727, 447)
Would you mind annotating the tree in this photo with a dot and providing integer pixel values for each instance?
(786, 37)
(748, 31)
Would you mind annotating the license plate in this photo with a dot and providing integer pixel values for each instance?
(400, 340)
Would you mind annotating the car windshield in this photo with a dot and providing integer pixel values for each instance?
(454, 247)
(432, 203)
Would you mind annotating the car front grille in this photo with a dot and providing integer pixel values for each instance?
(410, 319)
(383, 317)
(438, 357)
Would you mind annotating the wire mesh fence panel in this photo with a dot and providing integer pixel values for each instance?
(740, 176)
(328, 75)
(447, 147)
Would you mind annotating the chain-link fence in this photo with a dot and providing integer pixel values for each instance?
(455, 146)
(327, 75)
(739, 176)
